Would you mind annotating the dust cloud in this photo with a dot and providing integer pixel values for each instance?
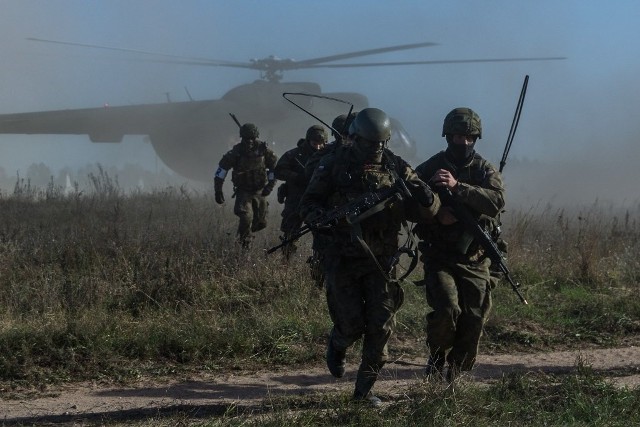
(577, 138)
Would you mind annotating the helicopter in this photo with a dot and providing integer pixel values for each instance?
(191, 136)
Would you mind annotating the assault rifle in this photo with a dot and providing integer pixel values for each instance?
(352, 212)
(481, 235)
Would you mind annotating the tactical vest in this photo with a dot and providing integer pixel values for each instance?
(351, 179)
(250, 172)
(448, 240)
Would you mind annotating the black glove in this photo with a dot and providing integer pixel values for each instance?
(268, 188)
(421, 193)
(313, 216)
(219, 197)
(217, 188)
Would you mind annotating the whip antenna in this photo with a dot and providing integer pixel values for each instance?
(514, 123)
(285, 94)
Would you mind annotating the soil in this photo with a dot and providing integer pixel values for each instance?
(209, 394)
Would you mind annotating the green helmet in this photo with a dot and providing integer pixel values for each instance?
(249, 131)
(339, 124)
(342, 123)
(316, 132)
(462, 121)
(372, 124)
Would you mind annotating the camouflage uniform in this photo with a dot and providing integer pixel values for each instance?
(457, 276)
(341, 124)
(252, 177)
(320, 240)
(291, 169)
(362, 302)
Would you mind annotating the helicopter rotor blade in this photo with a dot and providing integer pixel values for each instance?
(177, 58)
(302, 64)
(272, 65)
(444, 61)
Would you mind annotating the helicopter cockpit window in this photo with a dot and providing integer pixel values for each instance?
(400, 142)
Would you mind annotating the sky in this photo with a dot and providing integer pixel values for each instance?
(577, 138)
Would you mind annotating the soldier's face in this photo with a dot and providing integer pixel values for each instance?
(316, 144)
(372, 150)
(463, 139)
(461, 146)
(250, 143)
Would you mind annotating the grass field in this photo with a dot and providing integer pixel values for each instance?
(113, 286)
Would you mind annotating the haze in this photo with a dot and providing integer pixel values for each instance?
(577, 139)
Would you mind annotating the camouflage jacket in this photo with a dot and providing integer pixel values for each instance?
(314, 159)
(340, 178)
(290, 168)
(480, 189)
(250, 166)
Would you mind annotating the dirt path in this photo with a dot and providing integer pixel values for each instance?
(210, 394)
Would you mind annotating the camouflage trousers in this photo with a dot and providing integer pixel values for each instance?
(460, 296)
(361, 304)
(252, 209)
(291, 221)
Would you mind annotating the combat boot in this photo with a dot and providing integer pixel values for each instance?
(336, 359)
(452, 374)
(364, 383)
(435, 367)
(368, 398)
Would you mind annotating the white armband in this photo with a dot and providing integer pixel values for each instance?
(220, 173)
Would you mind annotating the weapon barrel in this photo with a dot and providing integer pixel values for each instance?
(295, 236)
(483, 238)
(235, 119)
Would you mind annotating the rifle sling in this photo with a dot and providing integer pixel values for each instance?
(356, 234)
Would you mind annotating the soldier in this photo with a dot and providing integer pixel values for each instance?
(340, 124)
(361, 293)
(253, 180)
(341, 136)
(457, 277)
(290, 169)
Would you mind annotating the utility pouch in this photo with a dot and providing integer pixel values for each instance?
(463, 243)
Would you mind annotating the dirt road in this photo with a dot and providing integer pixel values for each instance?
(210, 394)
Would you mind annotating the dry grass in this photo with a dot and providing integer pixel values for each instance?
(91, 280)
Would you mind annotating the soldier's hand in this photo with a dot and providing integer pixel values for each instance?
(443, 179)
(313, 216)
(219, 197)
(421, 193)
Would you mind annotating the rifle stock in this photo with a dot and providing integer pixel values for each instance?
(482, 236)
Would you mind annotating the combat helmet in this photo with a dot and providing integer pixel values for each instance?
(316, 132)
(372, 124)
(342, 123)
(462, 121)
(249, 131)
